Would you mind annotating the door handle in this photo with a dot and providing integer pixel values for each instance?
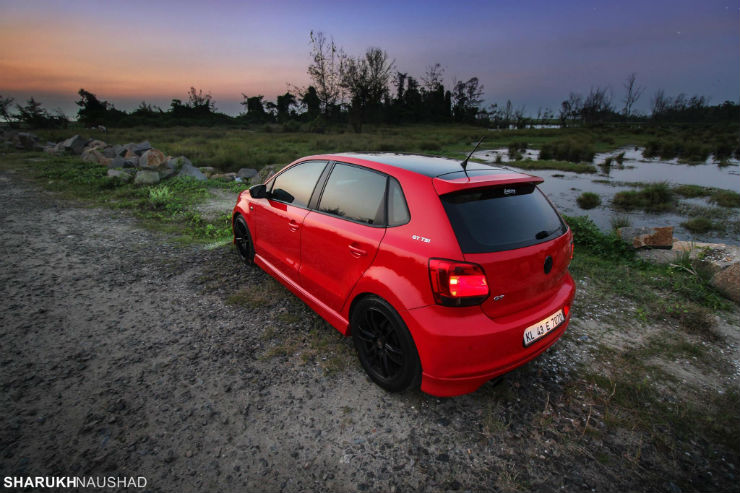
(356, 251)
(293, 225)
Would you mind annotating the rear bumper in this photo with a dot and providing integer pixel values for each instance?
(462, 348)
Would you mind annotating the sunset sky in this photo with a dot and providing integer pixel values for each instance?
(532, 52)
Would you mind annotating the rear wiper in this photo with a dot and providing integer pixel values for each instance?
(544, 234)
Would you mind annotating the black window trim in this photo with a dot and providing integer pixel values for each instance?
(315, 187)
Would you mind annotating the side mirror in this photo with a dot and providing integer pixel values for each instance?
(258, 192)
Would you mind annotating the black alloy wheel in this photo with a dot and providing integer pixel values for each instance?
(243, 240)
(384, 345)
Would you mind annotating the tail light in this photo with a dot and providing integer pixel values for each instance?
(457, 283)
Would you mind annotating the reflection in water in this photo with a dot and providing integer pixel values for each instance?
(564, 187)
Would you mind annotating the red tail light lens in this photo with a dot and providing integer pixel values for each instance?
(457, 283)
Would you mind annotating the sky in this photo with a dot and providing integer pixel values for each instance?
(532, 52)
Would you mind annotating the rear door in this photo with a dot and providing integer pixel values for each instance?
(515, 234)
(340, 239)
(280, 218)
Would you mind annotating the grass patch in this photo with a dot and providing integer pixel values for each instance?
(725, 198)
(620, 221)
(588, 200)
(654, 197)
(557, 165)
(267, 294)
(572, 150)
(699, 225)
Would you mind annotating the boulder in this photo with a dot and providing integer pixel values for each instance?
(152, 159)
(207, 170)
(146, 177)
(141, 148)
(263, 175)
(94, 156)
(223, 176)
(117, 162)
(96, 144)
(246, 173)
(119, 174)
(75, 144)
(109, 152)
(166, 172)
(188, 170)
(177, 162)
(645, 237)
(727, 282)
(131, 162)
(25, 141)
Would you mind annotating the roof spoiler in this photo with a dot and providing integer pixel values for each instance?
(443, 186)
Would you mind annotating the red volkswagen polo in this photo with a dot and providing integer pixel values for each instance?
(444, 276)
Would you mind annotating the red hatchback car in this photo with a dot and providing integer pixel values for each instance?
(445, 277)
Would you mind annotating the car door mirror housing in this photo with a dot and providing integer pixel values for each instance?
(258, 191)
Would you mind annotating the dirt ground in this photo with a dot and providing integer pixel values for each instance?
(125, 353)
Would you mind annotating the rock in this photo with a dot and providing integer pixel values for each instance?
(117, 162)
(152, 159)
(102, 128)
(188, 170)
(246, 173)
(727, 282)
(75, 144)
(141, 148)
(119, 174)
(94, 156)
(166, 172)
(96, 144)
(131, 162)
(263, 175)
(223, 176)
(146, 177)
(647, 237)
(207, 170)
(109, 152)
(177, 162)
(25, 141)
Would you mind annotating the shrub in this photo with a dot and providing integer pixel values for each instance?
(620, 221)
(606, 166)
(698, 225)
(726, 198)
(567, 150)
(654, 197)
(691, 191)
(160, 196)
(588, 200)
(589, 237)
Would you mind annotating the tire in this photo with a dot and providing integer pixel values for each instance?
(243, 240)
(384, 346)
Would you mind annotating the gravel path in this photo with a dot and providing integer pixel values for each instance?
(121, 357)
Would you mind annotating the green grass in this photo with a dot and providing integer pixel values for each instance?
(588, 200)
(725, 198)
(552, 164)
(169, 207)
(699, 225)
(654, 197)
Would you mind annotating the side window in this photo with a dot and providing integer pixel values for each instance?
(355, 193)
(398, 210)
(295, 185)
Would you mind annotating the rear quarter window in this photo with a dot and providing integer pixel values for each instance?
(502, 218)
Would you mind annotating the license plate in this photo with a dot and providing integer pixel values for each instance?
(541, 328)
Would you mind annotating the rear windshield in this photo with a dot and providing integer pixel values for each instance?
(502, 218)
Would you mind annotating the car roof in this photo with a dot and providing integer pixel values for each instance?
(431, 166)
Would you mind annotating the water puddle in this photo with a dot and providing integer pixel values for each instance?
(563, 188)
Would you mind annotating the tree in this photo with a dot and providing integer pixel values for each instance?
(199, 102)
(632, 93)
(467, 97)
(310, 99)
(326, 70)
(597, 106)
(255, 110)
(92, 111)
(284, 104)
(571, 109)
(5, 109)
(366, 80)
(433, 77)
